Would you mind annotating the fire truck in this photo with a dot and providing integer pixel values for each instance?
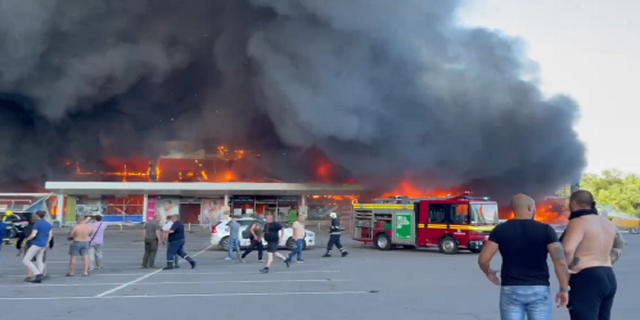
(449, 223)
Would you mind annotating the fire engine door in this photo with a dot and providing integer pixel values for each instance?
(437, 226)
(404, 228)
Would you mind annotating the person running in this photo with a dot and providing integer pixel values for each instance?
(97, 242)
(255, 235)
(234, 237)
(335, 232)
(524, 244)
(298, 237)
(39, 238)
(152, 235)
(81, 235)
(176, 245)
(592, 245)
(273, 231)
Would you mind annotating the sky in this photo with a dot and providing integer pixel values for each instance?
(588, 49)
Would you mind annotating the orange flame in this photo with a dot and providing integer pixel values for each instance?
(408, 189)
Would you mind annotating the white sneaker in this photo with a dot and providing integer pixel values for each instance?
(227, 258)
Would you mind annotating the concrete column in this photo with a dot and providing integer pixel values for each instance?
(303, 209)
(145, 204)
(226, 200)
(60, 204)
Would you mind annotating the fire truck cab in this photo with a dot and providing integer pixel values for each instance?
(450, 223)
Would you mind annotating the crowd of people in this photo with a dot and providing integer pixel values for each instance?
(583, 258)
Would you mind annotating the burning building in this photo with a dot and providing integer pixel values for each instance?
(401, 94)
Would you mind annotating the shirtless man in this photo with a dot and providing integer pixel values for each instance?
(592, 245)
(81, 235)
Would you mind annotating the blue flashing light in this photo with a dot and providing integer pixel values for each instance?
(476, 198)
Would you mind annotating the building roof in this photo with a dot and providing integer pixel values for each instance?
(200, 188)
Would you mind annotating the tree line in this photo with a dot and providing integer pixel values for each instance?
(615, 188)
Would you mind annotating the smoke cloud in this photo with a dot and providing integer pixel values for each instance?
(386, 89)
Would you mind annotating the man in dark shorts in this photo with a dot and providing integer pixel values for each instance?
(175, 245)
(592, 245)
(273, 231)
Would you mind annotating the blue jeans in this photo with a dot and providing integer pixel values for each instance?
(234, 243)
(532, 301)
(297, 251)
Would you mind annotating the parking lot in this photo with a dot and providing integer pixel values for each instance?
(398, 284)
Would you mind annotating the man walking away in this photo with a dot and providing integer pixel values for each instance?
(234, 238)
(41, 216)
(176, 245)
(97, 242)
(273, 231)
(298, 236)
(524, 244)
(152, 235)
(81, 235)
(255, 232)
(592, 244)
(39, 238)
(335, 232)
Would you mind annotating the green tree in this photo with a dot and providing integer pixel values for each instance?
(615, 188)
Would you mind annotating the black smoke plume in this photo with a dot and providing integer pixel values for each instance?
(387, 89)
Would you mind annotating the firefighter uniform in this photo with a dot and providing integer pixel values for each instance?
(175, 247)
(335, 231)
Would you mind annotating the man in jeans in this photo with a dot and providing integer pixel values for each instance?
(298, 236)
(152, 235)
(524, 244)
(96, 243)
(234, 238)
(39, 238)
(255, 232)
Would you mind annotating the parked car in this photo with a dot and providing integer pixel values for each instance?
(220, 235)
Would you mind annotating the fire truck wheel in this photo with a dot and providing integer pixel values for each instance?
(448, 245)
(634, 231)
(382, 241)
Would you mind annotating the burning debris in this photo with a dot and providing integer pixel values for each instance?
(385, 90)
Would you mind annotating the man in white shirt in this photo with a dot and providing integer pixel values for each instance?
(298, 236)
(167, 227)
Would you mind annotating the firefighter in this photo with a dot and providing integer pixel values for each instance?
(334, 236)
(176, 245)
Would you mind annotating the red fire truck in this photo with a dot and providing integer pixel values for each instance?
(450, 223)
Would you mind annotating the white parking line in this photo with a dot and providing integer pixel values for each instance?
(169, 283)
(122, 286)
(198, 295)
(171, 273)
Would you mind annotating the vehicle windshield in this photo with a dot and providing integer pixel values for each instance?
(484, 213)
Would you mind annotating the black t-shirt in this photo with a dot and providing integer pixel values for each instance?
(272, 232)
(523, 247)
(178, 232)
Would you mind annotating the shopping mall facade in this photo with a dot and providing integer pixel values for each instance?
(194, 202)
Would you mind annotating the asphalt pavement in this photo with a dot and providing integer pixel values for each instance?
(398, 284)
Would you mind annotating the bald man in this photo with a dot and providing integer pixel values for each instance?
(524, 244)
(592, 245)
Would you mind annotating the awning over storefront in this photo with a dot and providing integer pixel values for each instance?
(199, 189)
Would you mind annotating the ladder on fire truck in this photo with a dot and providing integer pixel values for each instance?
(408, 200)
